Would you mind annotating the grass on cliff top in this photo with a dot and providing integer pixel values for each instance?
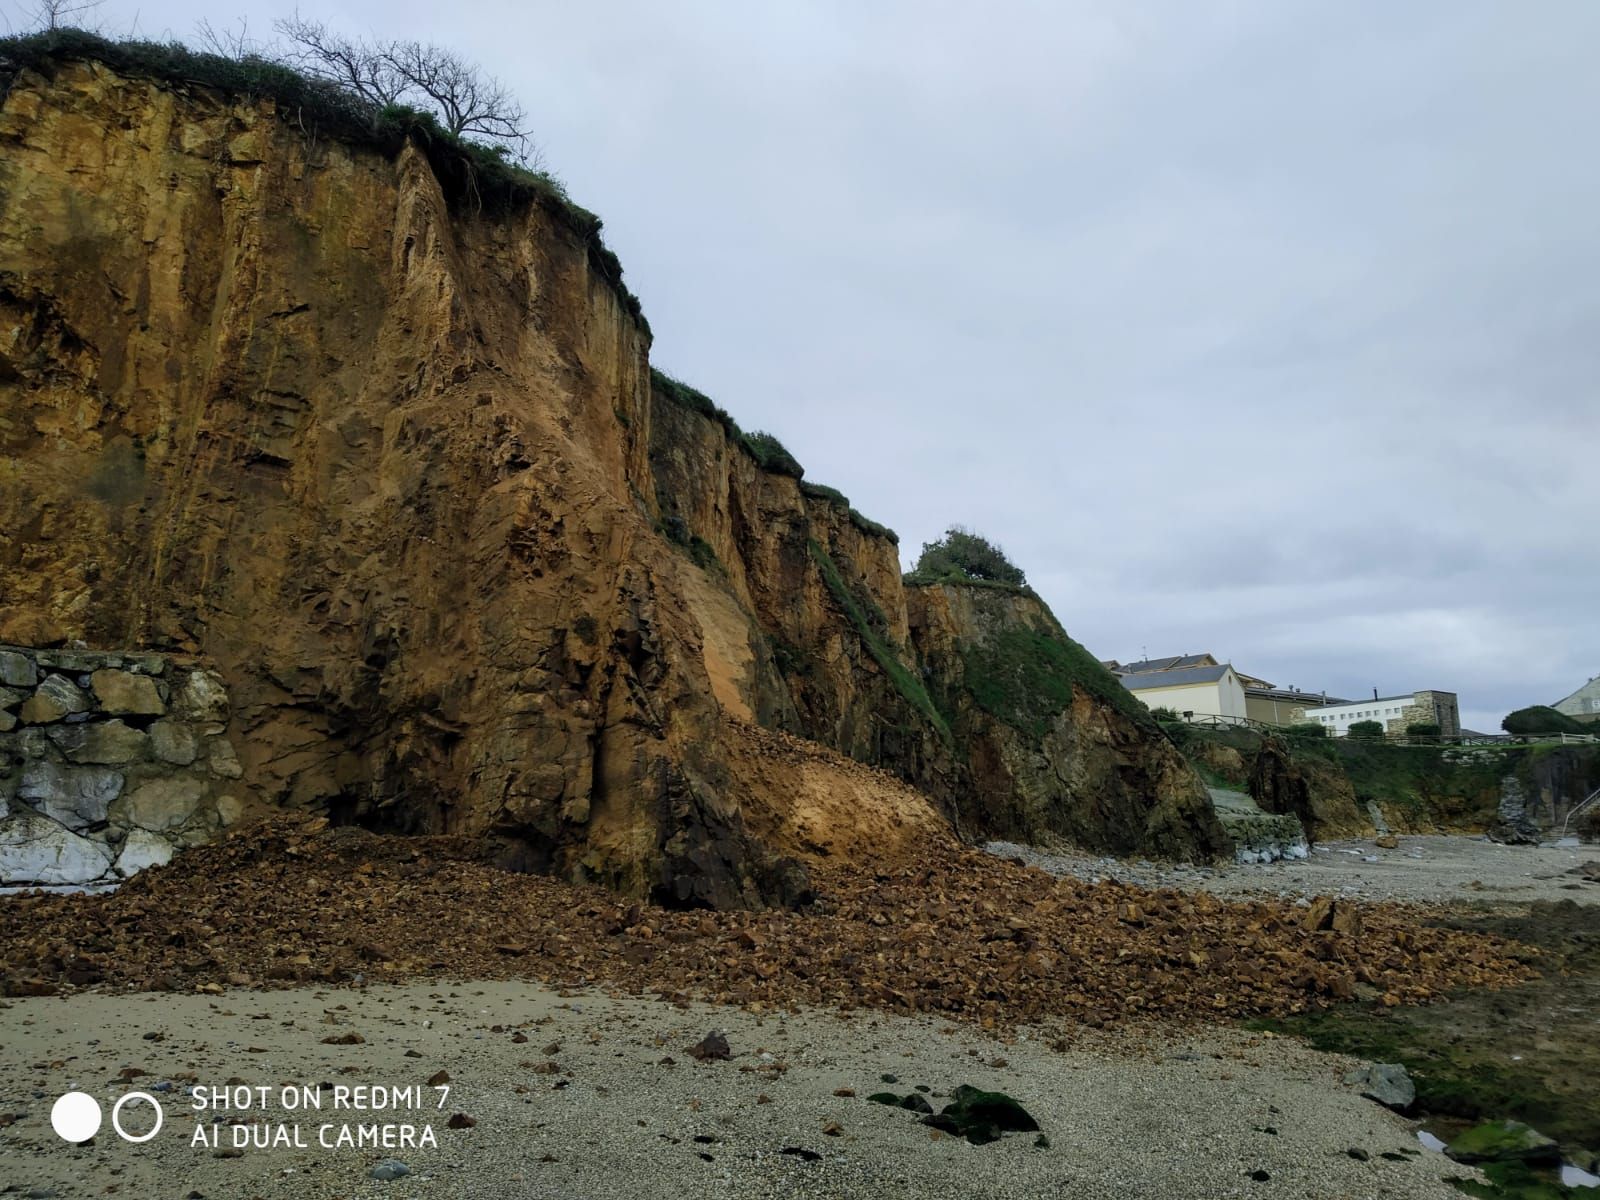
(472, 176)
(915, 578)
(765, 449)
(873, 633)
(1025, 678)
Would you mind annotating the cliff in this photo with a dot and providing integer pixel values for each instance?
(1343, 787)
(1055, 747)
(391, 460)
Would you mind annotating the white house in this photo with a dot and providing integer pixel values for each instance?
(1210, 689)
(1584, 704)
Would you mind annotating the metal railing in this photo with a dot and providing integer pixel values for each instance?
(1587, 802)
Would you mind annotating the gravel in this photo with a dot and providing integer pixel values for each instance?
(1426, 869)
(626, 1112)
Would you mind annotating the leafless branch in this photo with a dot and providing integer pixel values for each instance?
(468, 100)
(366, 69)
(50, 15)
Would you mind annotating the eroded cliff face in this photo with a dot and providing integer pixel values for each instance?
(1053, 746)
(394, 466)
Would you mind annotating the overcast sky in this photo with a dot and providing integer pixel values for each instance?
(1270, 329)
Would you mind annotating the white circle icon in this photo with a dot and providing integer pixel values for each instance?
(76, 1117)
(116, 1113)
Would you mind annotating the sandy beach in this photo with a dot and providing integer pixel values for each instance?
(626, 1111)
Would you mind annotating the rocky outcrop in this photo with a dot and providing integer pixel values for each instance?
(1306, 787)
(1053, 745)
(392, 461)
(109, 763)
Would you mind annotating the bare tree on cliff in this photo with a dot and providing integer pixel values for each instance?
(465, 100)
(50, 15)
(367, 70)
(468, 100)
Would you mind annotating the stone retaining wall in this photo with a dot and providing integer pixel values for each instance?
(108, 763)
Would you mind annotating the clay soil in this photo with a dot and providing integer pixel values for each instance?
(290, 901)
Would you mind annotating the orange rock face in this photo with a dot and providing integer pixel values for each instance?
(394, 465)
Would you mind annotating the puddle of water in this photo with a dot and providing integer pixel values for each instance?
(1572, 1176)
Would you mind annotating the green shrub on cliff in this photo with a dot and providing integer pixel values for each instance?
(770, 454)
(962, 556)
(1025, 678)
(1305, 730)
(1541, 718)
(821, 491)
(872, 528)
(693, 399)
(1368, 730)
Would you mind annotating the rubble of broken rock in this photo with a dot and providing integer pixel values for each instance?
(963, 935)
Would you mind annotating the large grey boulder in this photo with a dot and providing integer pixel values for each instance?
(127, 693)
(1387, 1083)
(77, 797)
(34, 849)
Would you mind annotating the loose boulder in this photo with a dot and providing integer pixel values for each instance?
(1387, 1083)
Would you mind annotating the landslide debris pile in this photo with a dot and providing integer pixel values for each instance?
(964, 935)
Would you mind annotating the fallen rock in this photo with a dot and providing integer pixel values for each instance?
(1503, 1141)
(1387, 841)
(711, 1047)
(981, 1117)
(1387, 1083)
(389, 1168)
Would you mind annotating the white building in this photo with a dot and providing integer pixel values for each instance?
(1189, 686)
(1583, 704)
(1394, 713)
